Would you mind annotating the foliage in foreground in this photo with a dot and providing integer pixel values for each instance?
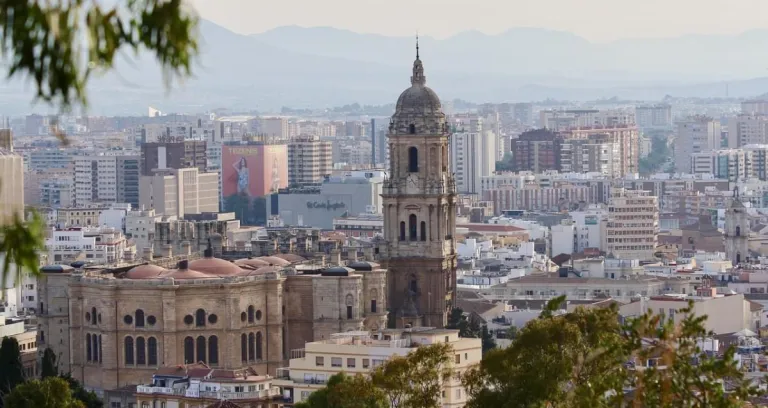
(52, 392)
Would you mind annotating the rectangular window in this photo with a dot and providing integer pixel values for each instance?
(457, 358)
(304, 395)
(319, 361)
(350, 363)
(366, 363)
(335, 361)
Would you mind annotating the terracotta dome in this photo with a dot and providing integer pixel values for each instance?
(292, 258)
(253, 263)
(215, 266)
(187, 274)
(261, 271)
(273, 260)
(145, 272)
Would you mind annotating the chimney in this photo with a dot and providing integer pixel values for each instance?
(186, 248)
(167, 250)
(368, 253)
(148, 253)
(352, 254)
(335, 257)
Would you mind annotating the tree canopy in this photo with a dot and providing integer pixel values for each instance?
(344, 391)
(52, 392)
(11, 368)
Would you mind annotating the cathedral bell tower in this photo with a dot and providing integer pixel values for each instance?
(419, 199)
(736, 231)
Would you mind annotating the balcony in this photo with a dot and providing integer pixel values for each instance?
(247, 395)
(143, 389)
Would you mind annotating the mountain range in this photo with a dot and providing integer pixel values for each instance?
(323, 67)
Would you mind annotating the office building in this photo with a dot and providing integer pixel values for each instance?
(128, 179)
(45, 159)
(596, 154)
(652, 117)
(473, 153)
(747, 129)
(49, 188)
(696, 134)
(173, 155)
(275, 127)
(98, 245)
(309, 160)
(632, 225)
(615, 131)
(537, 151)
(11, 186)
(179, 192)
(726, 164)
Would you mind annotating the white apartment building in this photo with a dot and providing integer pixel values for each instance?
(360, 352)
(755, 106)
(95, 179)
(697, 134)
(727, 164)
(50, 188)
(473, 153)
(274, 127)
(100, 245)
(589, 231)
(179, 192)
(558, 120)
(632, 225)
(658, 116)
(309, 160)
(746, 129)
(140, 226)
(597, 154)
(562, 238)
(11, 186)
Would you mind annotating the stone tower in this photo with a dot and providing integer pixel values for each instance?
(419, 199)
(736, 232)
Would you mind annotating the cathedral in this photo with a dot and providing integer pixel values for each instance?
(419, 199)
(736, 232)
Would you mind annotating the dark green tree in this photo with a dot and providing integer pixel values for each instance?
(416, 380)
(11, 369)
(344, 391)
(506, 163)
(457, 320)
(48, 364)
(52, 392)
(489, 343)
(89, 399)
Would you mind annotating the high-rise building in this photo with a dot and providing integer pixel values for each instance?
(625, 135)
(747, 129)
(419, 210)
(596, 154)
(275, 127)
(11, 186)
(128, 179)
(658, 116)
(173, 155)
(179, 192)
(537, 150)
(95, 179)
(523, 113)
(473, 153)
(725, 164)
(755, 106)
(632, 225)
(696, 134)
(309, 160)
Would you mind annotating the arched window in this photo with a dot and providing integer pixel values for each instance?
(152, 351)
(200, 318)
(402, 230)
(244, 347)
(100, 353)
(95, 342)
(201, 349)
(413, 160)
(414, 286)
(128, 350)
(412, 129)
(349, 302)
(213, 350)
(139, 318)
(374, 296)
(412, 227)
(738, 232)
(423, 231)
(250, 314)
(141, 351)
(93, 316)
(251, 347)
(189, 350)
(88, 347)
(259, 355)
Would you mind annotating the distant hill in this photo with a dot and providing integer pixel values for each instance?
(324, 67)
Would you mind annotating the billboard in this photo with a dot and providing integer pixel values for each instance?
(248, 174)
(590, 220)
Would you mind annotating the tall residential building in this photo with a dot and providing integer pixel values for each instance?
(173, 155)
(696, 134)
(179, 192)
(596, 154)
(626, 136)
(473, 153)
(632, 225)
(95, 179)
(650, 117)
(537, 151)
(726, 164)
(309, 160)
(11, 186)
(274, 127)
(49, 188)
(755, 106)
(128, 179)
(45, 159)
(523, 113)
(747, 129)
(420, 210)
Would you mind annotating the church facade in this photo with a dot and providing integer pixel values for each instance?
(419, 200)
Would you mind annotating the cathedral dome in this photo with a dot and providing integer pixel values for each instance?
(418, 109)
(418, 99)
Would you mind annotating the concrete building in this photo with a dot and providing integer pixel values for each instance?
(44, 159)
(632, 225)
(173, 155)
(537, 151)
(274, 127)
(102, 179)
(11, 186)
(696, 134)
(652, 117)
(596, 154)
(49, 188)
(726, 164)
(99, 245)
(589, 231)
(560, 197)
(562, 238)
(352, 194)
(26, 335)
(179, 192)
(140, 227)
(309, 160)
(746, 129)
(755, 106)
(619, 130)
(473, 153)
(128, 180)
(361, 352)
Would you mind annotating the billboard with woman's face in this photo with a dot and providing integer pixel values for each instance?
(253, 170)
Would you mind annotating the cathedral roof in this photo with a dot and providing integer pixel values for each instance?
(145, 272)
(252, 263)
(215, 266)
(419, 98)
(273, 260)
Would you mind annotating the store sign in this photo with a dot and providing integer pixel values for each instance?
(328, 205)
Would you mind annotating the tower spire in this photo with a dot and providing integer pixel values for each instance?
(417, 45)
(418, 69)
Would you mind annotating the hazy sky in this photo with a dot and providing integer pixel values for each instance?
(596, 20)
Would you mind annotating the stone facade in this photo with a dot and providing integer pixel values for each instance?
(419, 210)
(736, 232)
